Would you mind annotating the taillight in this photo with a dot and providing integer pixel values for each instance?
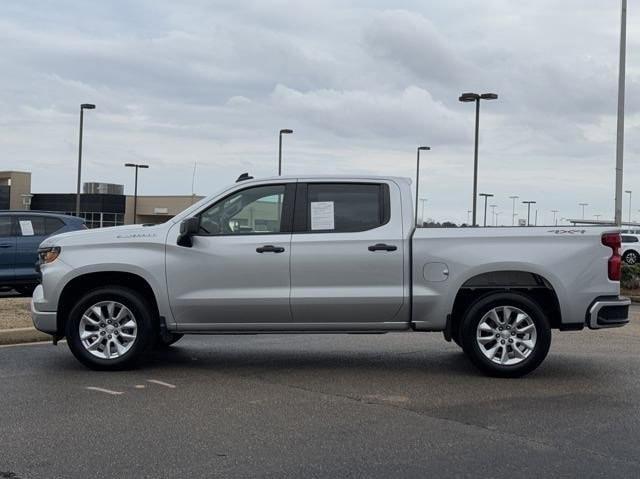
(613, 241)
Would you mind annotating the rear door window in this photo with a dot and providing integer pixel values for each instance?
(31, 226)
(345, 207)
(5, 226)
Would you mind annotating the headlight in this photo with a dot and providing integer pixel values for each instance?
(48, 255)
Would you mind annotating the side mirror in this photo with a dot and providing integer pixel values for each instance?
(188, 228)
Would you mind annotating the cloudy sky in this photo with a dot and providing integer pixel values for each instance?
(362, 83)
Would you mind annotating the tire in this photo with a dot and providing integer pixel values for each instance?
(164, 342)
(515, 352)
(123, 352)
(631, 257)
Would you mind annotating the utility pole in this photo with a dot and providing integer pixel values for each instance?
(419, 149)
(513, 212)
(285, 131)
(135, 191)
(493, 214)
(476, 97)
(528, 203)
(83, 107)
(583, 205)
(486, 195)
(620, 129)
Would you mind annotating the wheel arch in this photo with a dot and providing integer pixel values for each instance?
(84, 283)
(533, 285)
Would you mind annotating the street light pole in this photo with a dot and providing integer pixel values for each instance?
(529, 203)
(629, 191)
(423, 201)
(620, 127)
(469, 97)
(135, 190)
(486, 195)
(583, 205)
(285, 131)
(83, 107)
(493, 214)
(419, 149)
(513, 212)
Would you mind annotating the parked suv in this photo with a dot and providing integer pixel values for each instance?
(21, 232)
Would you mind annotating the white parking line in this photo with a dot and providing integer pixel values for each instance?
(161, 383)
(107, 391)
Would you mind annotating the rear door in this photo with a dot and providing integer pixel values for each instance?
(347, 257)
(7, 249)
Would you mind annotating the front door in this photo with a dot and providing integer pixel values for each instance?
(347, 255)
(7, 250)
(237, 270)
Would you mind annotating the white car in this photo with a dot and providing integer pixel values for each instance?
(631, 248)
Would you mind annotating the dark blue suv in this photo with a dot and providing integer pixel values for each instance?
(21, 232)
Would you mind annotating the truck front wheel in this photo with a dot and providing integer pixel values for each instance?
(505, 334)
(110, 328)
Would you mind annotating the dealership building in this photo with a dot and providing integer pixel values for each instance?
(101, 204)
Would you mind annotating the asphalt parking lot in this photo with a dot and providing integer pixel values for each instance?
(397, 405)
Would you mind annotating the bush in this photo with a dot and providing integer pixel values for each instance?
(630, 276)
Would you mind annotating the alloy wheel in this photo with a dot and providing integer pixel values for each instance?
(506, 335)
(108, 329)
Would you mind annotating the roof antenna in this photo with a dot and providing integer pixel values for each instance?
(243, 177)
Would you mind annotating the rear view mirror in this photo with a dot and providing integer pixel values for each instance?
(188, 228)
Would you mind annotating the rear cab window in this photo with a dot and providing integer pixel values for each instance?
(341, 207)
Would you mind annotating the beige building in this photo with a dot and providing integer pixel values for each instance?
(15, 190)
(157, 209)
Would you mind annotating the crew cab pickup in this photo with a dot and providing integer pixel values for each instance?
(326, 254)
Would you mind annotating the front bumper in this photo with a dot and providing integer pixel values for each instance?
(45, 321)
(609, 312)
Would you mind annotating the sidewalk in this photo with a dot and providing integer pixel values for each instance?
(15, 322)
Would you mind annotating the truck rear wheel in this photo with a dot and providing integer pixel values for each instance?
(505, 334)
(110, 328)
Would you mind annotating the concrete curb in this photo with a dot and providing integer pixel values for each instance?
(22, 335)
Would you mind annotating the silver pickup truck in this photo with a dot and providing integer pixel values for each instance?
(319, 255)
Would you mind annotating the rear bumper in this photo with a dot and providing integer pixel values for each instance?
(45, 321)
(608, 312)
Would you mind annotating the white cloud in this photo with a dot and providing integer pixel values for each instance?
(362, 84)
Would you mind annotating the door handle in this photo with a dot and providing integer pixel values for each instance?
(268, 248)
(382, 247)
(5, 245)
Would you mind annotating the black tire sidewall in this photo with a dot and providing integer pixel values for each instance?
(140, 309)
(624, 257)
(469, 331)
